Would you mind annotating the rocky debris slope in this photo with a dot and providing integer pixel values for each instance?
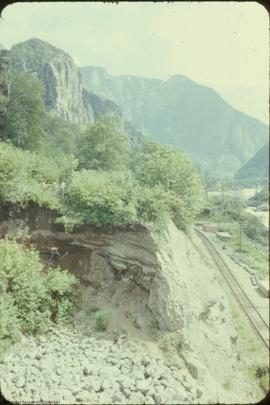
(71, 368)
(188, 299)
(169, 276)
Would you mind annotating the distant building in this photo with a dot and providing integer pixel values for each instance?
(210, 227)
(224, 236)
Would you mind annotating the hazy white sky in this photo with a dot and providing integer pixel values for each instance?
(223, 45)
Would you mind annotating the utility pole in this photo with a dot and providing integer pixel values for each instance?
(240, 239)
(242, 225)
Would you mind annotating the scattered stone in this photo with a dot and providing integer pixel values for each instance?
(106, 384)
(83, 396)
(137, 375)
(149, 400)
(20, 382)
(198, 393)
(87, 370)
(105, 398)
(126, 392)
(137, 323)
(117, 398)
(136, 398)
(144, 385)
(96, 384)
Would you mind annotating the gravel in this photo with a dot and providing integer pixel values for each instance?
(73, 369)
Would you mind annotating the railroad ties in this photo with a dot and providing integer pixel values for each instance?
(254, 317)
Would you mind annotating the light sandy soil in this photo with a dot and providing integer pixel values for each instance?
(244, 193)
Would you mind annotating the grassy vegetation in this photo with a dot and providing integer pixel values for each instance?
(252, 357)
(101, 321)
(30, 301)
(154, 325)
(228, 213)
(102, 197)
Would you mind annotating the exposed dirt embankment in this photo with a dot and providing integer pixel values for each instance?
(138, 277)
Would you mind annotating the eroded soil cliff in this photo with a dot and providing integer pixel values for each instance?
(161, 292)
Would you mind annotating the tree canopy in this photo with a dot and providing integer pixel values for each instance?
(103, 146)
(171, 169)
(22, 108)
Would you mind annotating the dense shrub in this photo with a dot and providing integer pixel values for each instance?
(9, 322)
(26, 176)
(155, 204)
(103, 146)
(151, 204)
(95, 197)
(230, 208)
(101, 321)
(172, 170)
(161, 184)
(261, 197)
(22, 122)
(256, 230)
(32, 300)
(60, 286)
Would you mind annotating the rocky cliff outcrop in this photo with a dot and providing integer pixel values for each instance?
(64, 94)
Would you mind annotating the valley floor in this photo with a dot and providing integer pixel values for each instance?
(243, 276)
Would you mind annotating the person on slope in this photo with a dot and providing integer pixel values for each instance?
(53, 255)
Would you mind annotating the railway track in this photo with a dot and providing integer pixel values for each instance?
(254, 317)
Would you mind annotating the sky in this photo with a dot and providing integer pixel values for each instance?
(222, 45)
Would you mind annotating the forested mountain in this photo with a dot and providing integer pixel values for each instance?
(113, 175)
(176, 112)
(256, 170)
(181, 113)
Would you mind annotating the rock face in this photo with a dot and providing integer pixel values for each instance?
(181, 113)
(64, 95)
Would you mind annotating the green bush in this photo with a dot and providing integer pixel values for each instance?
(261, 197)
(60, 286)
(100, 198)
(103, 146)
(101, 321)
(9, 322)
(160, 165)
(256, 230)
(27, 176)
(95, 197)
(24, 116)
(154, 325)
(151, 204)
(33, 300)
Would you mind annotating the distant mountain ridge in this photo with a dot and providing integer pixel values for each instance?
(256, 170)
(178, 112)
(184, 114)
